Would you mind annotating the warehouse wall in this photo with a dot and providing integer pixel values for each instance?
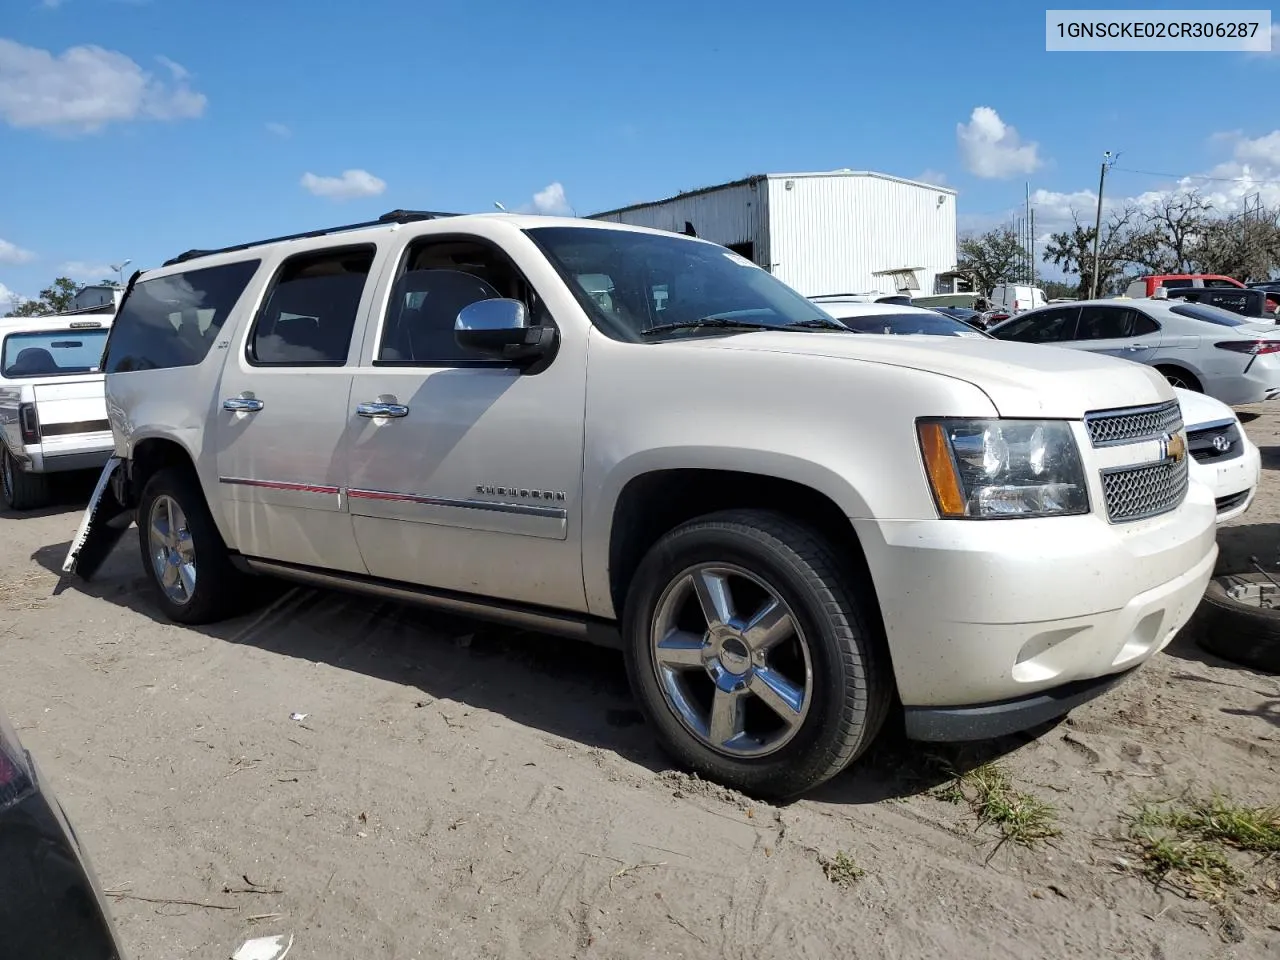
(829, 233)
(732, 215)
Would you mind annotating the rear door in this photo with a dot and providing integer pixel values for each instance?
(1118, 332)
(281, 411)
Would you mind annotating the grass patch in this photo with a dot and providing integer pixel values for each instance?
(841, 870)
(1187, 843)
(988, 790)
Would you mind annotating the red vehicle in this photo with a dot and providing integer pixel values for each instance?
(1147, 286)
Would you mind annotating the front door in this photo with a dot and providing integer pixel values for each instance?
(463, 474)
(282, 413)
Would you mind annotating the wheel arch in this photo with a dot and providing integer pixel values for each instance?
(655, 501)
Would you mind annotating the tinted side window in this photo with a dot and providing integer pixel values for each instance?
(438, 279)
(1170, 283)
(310, 312)
(1210, 282)
(172, 321)
(1043, 326)
(1104, 323)
(1143, 325)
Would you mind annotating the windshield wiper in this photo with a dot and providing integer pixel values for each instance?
(728, 322)
(707, 322)
(817, 323)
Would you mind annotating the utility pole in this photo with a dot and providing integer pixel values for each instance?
(1031, 250)
(1097, 224)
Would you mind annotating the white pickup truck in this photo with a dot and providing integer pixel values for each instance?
(643, 439)
(53, 416)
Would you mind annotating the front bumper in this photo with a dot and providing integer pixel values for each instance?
(1234, 483)
(982, 612)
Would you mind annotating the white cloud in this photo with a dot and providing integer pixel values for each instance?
(551, 201)
(278, 130)
(992, 149)
(178, 70)
(87, 87)
(88, 271)
(352, 183)
(12, 253)
(9, 299)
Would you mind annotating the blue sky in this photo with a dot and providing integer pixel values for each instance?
(141, 128)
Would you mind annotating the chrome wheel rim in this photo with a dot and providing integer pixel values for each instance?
(1176, 381)
(173, 555)
(731, 660)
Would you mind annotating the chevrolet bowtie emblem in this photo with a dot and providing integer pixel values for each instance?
(1175, 448)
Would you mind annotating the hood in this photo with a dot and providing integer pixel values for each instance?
(1021, 379)
(1199, 409)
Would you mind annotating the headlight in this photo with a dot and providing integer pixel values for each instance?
(988, 469)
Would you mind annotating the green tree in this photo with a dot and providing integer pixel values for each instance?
(54, 298)
(996, 256)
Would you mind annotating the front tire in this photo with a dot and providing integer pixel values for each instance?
(21, 490)
(751, 654)
(183, 554)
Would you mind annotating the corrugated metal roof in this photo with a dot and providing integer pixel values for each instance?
(758, 177)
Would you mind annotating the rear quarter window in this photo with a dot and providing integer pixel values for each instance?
(172, 321)
(1202, 311)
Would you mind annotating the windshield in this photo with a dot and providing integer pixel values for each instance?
(56, 353)
(632, 282)
(1209, 314)
(934, 325)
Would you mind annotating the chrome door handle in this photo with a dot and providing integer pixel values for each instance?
(1136, 346)
(242, 404)
(381, 409)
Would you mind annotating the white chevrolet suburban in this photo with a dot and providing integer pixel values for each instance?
(641, 438)
(53, 417)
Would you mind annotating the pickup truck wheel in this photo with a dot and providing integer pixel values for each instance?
(22, 491)
(184, 554)
(749, 652)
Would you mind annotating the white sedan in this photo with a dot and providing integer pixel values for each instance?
(1223, 457)
(1196, 346)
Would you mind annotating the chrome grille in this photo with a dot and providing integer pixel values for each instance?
(1133, 493)
(1134, 424)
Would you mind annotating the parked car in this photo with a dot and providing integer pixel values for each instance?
(1251, 304)
(52, 414)
(887, 318)
(1222, 455)
(1016, 297)
(785, 525)
(873, 296)
(972, 318)
(50, 902)
(1147, 286)
(1196, 346)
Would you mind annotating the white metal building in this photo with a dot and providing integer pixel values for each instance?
(843, 231)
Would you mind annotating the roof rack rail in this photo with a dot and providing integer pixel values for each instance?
(395, 216)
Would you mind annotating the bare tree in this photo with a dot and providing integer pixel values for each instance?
(1244, 247)
(1172, 230)
(1121, 244)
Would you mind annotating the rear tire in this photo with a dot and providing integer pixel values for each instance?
(1177, 377)
(183, 553)
(737, 695)
(21, 490)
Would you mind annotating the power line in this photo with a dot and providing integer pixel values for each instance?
(1194, 176)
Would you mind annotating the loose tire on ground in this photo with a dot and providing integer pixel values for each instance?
(1237, 630)
(21, 490)
(194, 580)
(773, 566)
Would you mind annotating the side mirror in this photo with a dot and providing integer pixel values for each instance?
(500, 329)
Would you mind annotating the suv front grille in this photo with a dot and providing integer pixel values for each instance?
(1133, 425)
(1134, 493)
(1212, 444)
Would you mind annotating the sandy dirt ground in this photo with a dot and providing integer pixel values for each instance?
(462, 791)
